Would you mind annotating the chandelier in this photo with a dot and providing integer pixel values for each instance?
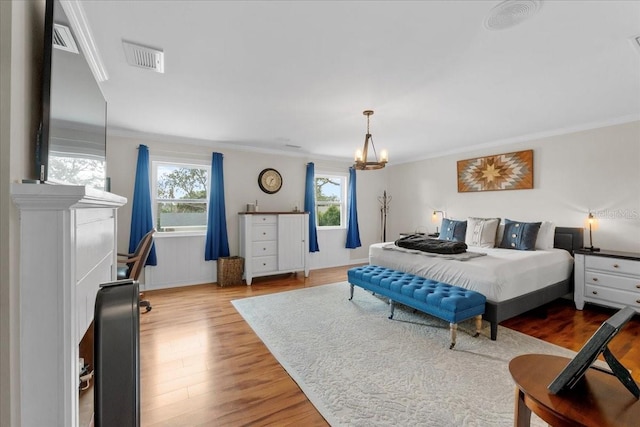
(361, 159)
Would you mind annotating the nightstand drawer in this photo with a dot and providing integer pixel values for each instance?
(264, 219)
(264, 263)
(610, 281)
(268, 247)
(596, 293)
(267, 232)
(622, 266)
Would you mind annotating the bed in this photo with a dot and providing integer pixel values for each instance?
(513, 281)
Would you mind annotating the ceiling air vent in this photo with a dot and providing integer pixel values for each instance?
(63, 39)
(510, 13)
(144, 57)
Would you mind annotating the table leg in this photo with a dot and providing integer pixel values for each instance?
(522, 414)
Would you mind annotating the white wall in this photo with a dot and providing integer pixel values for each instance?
(21, 35)
(597, 170)
(241, 169)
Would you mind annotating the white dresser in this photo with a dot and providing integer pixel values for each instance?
(607, 278)
(274, 243)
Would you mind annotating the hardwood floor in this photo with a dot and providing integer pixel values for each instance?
(201, 364)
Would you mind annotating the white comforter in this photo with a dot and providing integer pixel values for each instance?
(500, 275)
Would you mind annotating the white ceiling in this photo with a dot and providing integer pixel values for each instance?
(271, 73)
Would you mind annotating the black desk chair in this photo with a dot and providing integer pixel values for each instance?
(134, 263)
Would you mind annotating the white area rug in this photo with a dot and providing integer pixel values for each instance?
(361, 369)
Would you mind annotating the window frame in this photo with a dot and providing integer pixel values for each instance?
(344, 177)
(190, 163)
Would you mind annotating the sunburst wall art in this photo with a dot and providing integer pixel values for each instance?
(509, 171)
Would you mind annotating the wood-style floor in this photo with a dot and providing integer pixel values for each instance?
(201, 364)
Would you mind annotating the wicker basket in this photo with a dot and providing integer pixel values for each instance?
(230, 270)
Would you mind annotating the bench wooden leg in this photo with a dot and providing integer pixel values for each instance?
(478, 325)
(350, 291)
(454, 328)
(392, 306)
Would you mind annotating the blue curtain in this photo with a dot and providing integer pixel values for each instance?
(353, 232)
(141, 217)
(217, 244)
(310, 206)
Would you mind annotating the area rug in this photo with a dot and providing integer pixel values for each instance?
(359, 368)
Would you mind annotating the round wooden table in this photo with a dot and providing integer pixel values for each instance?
(598, 400)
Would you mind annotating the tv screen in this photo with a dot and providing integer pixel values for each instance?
(72, 138)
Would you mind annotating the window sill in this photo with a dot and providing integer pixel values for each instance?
(170, 234)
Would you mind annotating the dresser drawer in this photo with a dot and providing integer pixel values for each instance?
(264, 248)
(622, 266)
(264, 219)
(611, 281)
(264, 263)
(264, 232)
(595, 293)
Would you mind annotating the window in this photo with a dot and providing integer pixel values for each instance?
(180, 196)
(331, 198)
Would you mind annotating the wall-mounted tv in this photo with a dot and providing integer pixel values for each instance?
(71, 146)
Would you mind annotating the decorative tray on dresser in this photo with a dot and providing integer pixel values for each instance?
(608, 278)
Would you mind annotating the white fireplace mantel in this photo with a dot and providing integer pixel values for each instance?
(67, 248)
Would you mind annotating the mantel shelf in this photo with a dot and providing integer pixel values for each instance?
(58, 197)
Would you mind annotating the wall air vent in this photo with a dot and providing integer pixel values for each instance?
(63, 39)
(510, 13)
(144, 57)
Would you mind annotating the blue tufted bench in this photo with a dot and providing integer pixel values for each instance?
(450, 303)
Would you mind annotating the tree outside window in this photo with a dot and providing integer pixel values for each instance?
(181, 197)
(330, 200)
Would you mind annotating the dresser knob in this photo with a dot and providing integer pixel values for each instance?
(264, 234)
(264, 264)
(638, 301)
(595, 279)
(595, 292)
(638, 286)
(616, 266)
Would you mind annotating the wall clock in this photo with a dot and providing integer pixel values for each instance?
(270, 181)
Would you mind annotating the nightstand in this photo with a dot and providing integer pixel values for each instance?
(608, 278)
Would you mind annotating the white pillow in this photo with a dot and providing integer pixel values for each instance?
(500, 233)
(546, 235)
(482, 232)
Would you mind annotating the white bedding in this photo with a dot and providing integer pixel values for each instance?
(500, 275)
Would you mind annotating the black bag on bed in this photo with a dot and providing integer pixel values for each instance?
(426, 244)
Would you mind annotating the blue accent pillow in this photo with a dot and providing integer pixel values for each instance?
(520, 235)
(453, 230)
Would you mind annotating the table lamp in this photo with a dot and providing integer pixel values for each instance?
(591, 220)
(434, 218)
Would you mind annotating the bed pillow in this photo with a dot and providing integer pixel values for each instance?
(481, 232)
(546, 235)
(520, 235)
(453, 230)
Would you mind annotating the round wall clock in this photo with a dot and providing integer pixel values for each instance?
(270, 181)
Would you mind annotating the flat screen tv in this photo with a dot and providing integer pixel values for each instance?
(578, 366)
(71, 145)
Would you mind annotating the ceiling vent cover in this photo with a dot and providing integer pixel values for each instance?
(63, 39)
(144, 57)
(510, 13)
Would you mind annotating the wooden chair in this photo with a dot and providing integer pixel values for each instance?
(134, 263)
